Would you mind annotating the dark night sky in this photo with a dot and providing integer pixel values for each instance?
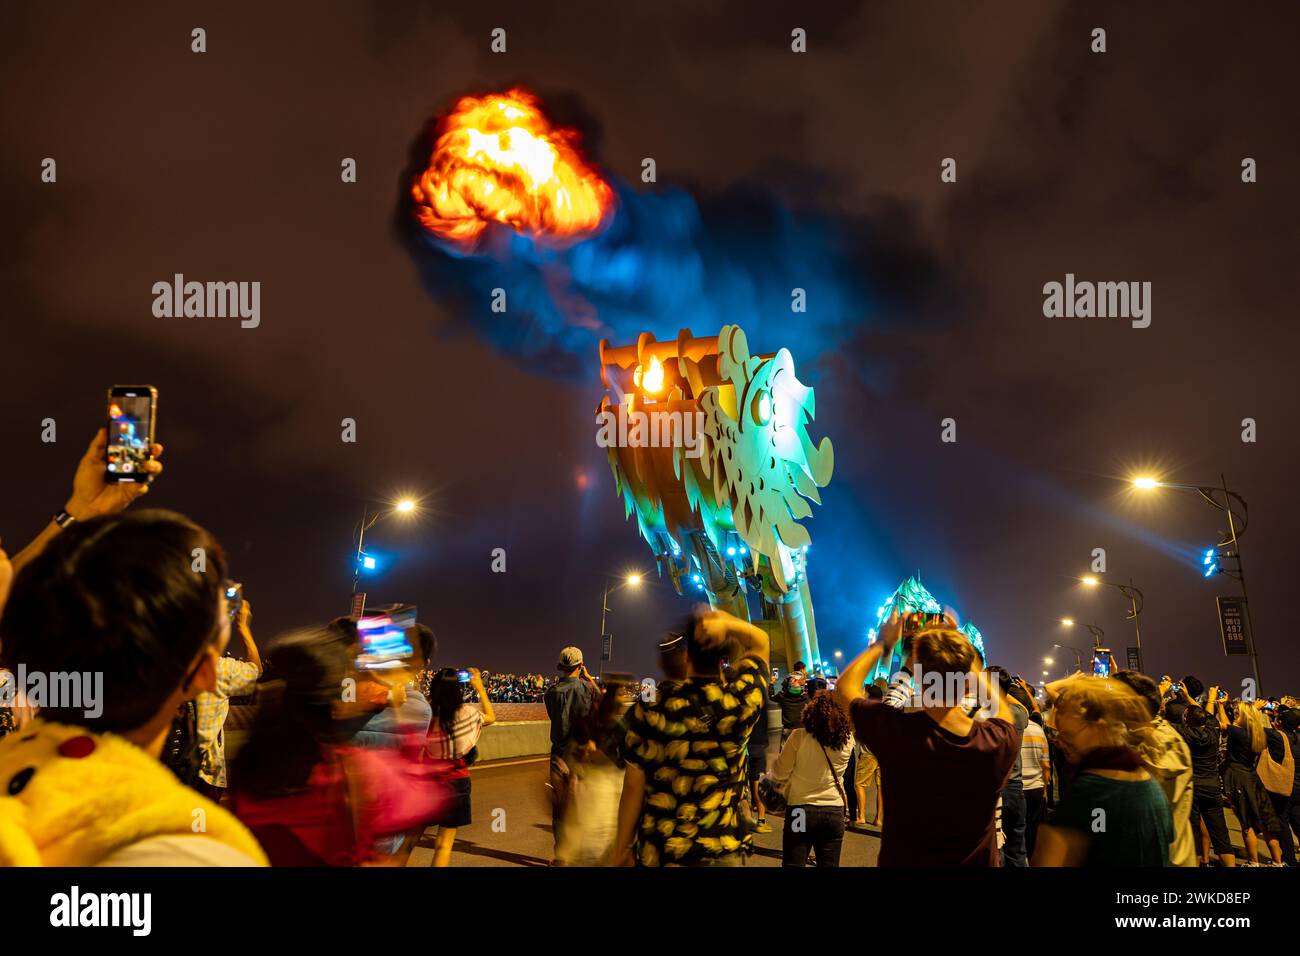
(1123, 166)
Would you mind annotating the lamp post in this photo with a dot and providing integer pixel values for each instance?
(1210, 494)
(406, 506)
(1098, 635)
(632, 580)
(1078, 655)
(1136, 603)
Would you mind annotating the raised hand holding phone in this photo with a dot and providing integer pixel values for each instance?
(93, 495)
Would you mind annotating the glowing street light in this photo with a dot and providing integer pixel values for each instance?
(1078, 655)
(1211, 494)
(404, 506)
(1048, 661)
(1098, 635)
(632, 579)
(1136, 603)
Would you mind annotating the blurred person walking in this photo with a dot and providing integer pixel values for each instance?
(1114, 813)
(1168, 759)
(568, 700)
(312, 797)
(595, 760)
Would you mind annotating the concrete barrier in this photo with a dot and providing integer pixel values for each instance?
(515, 738)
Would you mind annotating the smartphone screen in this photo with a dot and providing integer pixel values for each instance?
(462, 676)
(131, 411)
(1101, 662)
(234, 596)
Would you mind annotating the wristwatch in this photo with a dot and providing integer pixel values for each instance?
(63, 519)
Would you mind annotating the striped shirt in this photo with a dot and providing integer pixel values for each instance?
(466, 726)
(1033, 754)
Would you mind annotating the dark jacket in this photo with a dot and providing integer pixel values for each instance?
(568, 700)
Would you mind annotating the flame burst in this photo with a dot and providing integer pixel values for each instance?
(498, 159)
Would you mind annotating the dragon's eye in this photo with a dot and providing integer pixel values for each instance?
(761, 407)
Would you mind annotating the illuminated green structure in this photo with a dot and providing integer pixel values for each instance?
(911, 597)
(713, 457)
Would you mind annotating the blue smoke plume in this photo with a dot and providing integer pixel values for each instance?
(666, 261)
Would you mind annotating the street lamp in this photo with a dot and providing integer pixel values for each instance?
(1078, 655)
(1210, 494)
(1136, 603)
(1098, 635)
(632, 580)
(405, 506)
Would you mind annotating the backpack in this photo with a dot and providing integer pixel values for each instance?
(1277, 777)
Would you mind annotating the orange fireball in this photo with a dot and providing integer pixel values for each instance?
(498, 159)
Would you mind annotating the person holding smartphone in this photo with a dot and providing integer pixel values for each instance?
(237, 673)
(92, 496)
(451, 746)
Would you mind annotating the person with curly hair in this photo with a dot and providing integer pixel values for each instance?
(811, 766)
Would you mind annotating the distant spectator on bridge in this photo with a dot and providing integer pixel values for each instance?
(791, 698)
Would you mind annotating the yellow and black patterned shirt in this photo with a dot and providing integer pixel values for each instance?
(691, 745)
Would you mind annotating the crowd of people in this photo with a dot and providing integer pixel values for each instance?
(117, 755)
(514, 688)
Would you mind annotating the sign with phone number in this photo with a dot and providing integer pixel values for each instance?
(1233, 625)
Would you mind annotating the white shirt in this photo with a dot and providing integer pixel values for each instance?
(807, 766)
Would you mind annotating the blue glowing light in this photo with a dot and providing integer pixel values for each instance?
(368, 563)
